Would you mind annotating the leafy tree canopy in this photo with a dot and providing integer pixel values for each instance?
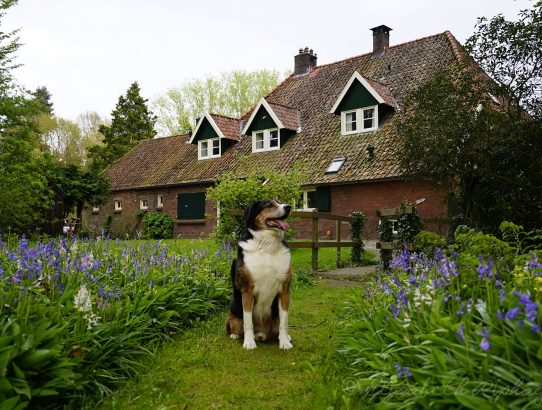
(470, 133)
(229, 93)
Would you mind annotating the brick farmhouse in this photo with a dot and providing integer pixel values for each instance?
(338, 120)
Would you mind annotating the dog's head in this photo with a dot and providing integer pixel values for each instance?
(267, 215)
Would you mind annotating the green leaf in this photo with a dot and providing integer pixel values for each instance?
(37, 358)
(473, 402)
(10, 404)
(439, 360)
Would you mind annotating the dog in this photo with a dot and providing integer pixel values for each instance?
(261, 277)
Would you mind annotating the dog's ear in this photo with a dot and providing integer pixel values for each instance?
(248, 217)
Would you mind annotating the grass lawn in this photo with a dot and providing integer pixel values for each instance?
(301, 258)
(204, 369)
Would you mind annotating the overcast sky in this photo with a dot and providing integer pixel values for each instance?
(88, 52)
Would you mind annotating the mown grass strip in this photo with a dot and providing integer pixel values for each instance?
(205, 369)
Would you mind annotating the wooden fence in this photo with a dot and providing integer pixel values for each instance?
(315, 243)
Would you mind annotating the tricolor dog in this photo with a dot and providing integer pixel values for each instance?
(261, 277)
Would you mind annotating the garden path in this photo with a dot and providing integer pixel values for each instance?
(204, 369)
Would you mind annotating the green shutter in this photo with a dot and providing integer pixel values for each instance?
(191, 205)
(323, 198)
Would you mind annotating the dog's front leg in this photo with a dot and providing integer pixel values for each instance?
(248, 326)
(284, 303)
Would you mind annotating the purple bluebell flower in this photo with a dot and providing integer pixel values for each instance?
(484, 344)
(499, 315)
(535, 328)
(401, 371)
(461, 310)
(461, 333)
(512, 313)
(485, 270)
(394, 310)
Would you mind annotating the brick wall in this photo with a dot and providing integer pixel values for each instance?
(372, 196)
(367, 198)
(125, 222)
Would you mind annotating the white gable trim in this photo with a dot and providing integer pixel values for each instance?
(213, 124)
(364, 82)
(269, 111)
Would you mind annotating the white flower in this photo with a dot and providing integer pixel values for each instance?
(82, 300)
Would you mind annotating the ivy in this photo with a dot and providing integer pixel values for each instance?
(356, 230)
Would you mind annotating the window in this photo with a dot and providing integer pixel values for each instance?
(118, 205)
(143, 204)
(359, 120)
(160, 201)
(307, 201)
(335, 165)
(266, 140)
(191, 206)
(209, 148)
(350, 121)
(95, 209)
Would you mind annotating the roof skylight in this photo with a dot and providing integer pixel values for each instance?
(335, 165)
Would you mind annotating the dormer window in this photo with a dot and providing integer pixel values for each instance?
(265, 140)
(214, 134)
(209, 148)
(270, 125)
(359, 104)
(359, 120)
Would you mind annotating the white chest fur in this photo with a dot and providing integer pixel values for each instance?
(268, 261)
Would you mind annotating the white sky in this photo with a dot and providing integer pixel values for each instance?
(88, 52)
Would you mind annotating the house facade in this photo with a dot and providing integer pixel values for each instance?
(337, 121)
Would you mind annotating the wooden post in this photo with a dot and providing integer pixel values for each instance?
(314, 243)
(338, 232)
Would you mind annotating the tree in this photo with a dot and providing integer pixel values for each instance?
(229, 94)
(43, 97)
(471, 133)
(76, 187)
(24, 193)
(131, 122)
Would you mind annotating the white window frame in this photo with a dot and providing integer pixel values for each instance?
(359, 120)
(160, 201)
(266, 140)
(118, 205)
(209, 143)
(143, 204)
(304, 205)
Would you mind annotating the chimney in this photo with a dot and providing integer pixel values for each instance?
(381, 40)
(304, 61)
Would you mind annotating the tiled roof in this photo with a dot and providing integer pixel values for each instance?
(403, 68)
(383, 91)
(228, 126)
(288, 116)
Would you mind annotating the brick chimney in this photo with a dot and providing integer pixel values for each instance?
(381, 40)
(304, 61)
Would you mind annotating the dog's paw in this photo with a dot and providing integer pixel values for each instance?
(285, 344)
(249, 344)
(233, 336)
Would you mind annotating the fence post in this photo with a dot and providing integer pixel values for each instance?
(315, 243)
(338, 231)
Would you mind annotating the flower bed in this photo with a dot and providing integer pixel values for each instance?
(77, 316)
(457, 330)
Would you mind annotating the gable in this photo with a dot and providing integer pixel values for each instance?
(357, 96)
(205, 132)
(261, 121)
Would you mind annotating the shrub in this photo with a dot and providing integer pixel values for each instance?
(427, 242)
(235, 193)
(158, 225)
(77, 317)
